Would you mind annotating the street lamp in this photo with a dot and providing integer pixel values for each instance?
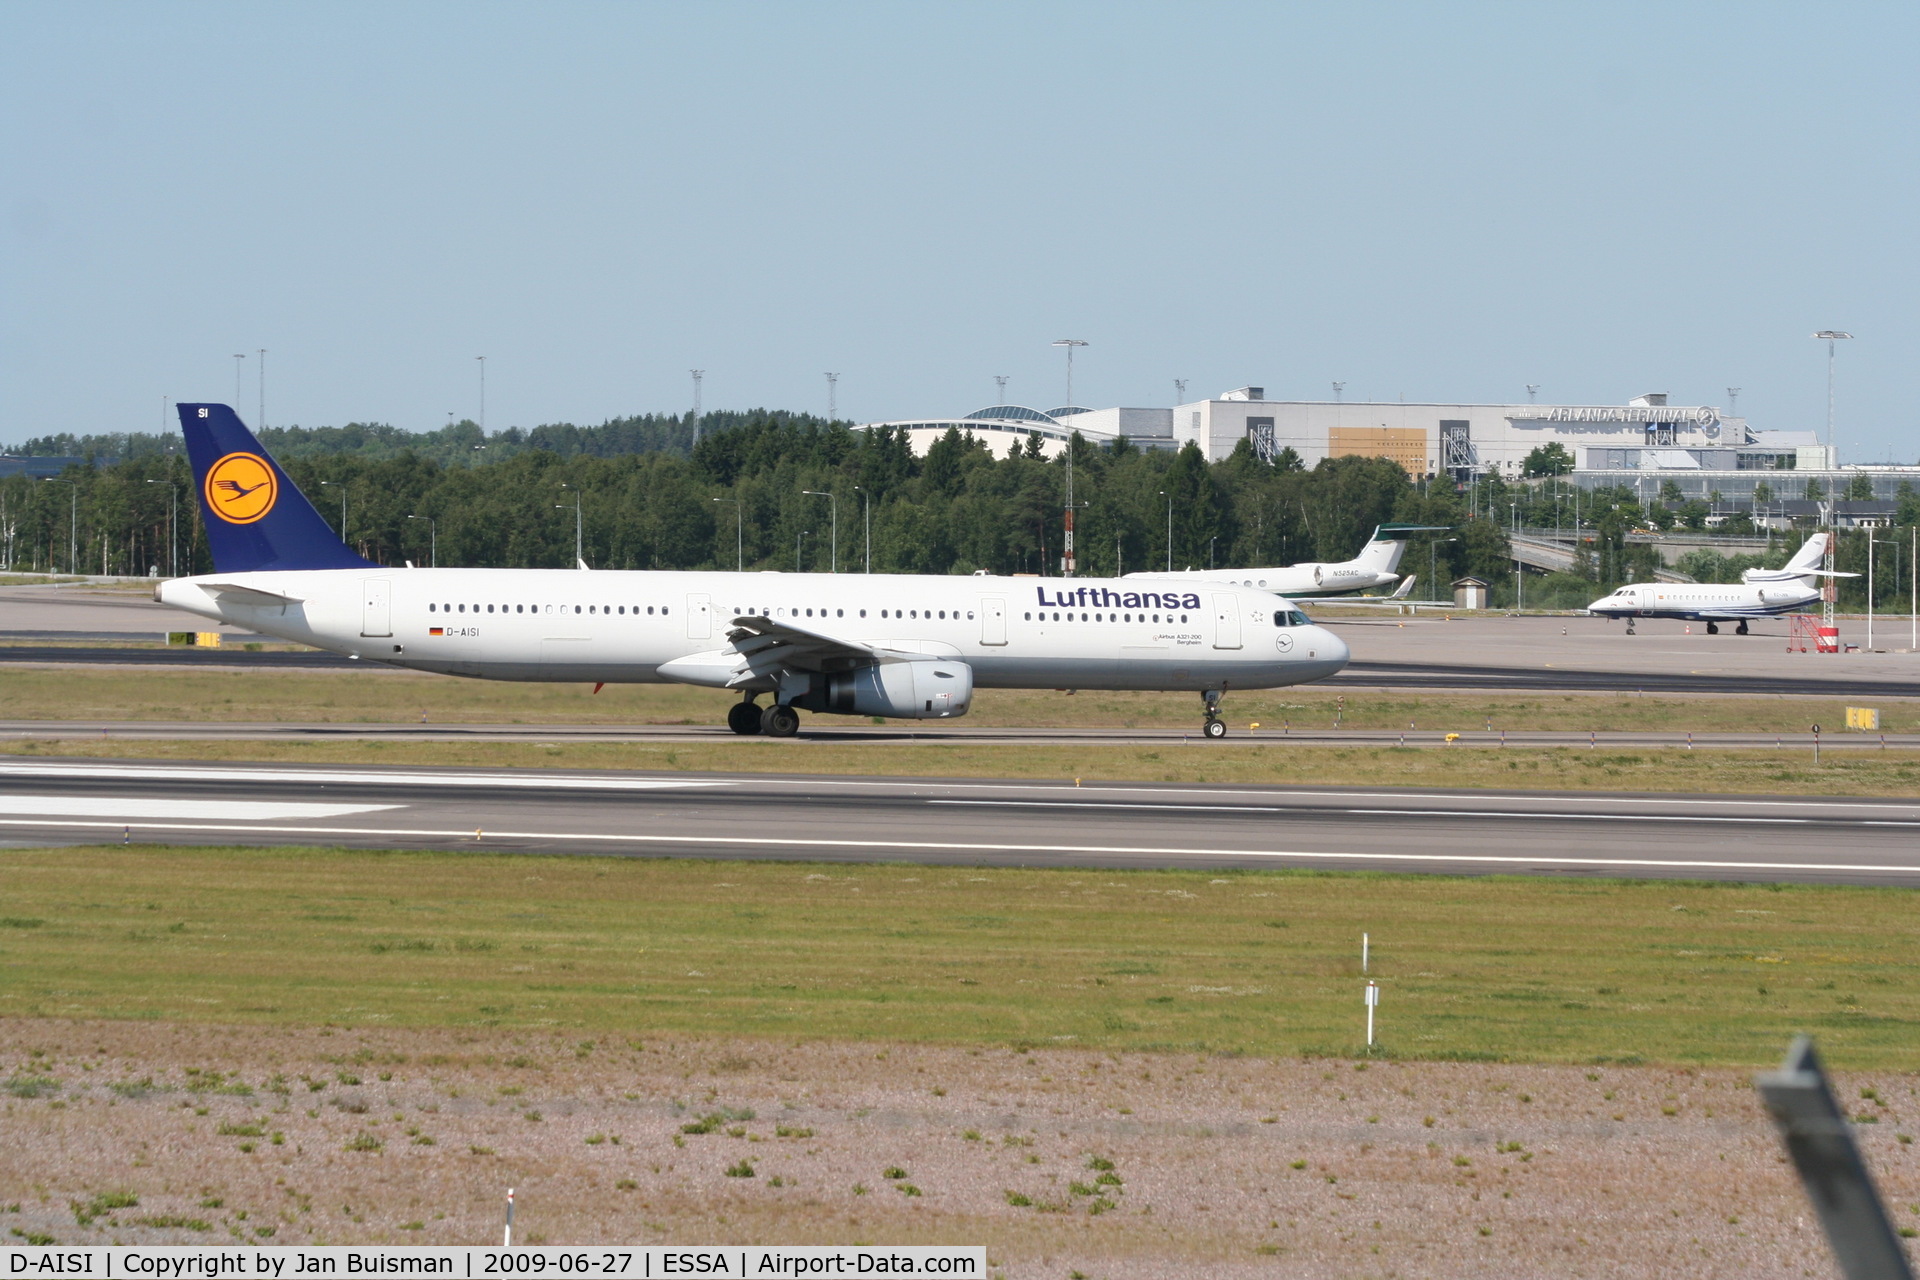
(341, 485)
(1169, 498)
(866, 519)
(73, 526)
(433, 541)
(739, 533)
(1832, 336)
(173, 521)
(1433, 559)
(834, 559)
(1338, 387)
(798, 542)
(1210, 541)
(579, 558)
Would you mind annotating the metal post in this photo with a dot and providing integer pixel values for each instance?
(739, 533)
(237, 358)
(698, 374)
(833, 561)
(1169, 498)
(262, 421)
(173, 524)
(866, 520)
(1373, 1002)
(483, 395)
(1870, 541)
(507, 1241)
(342, 486)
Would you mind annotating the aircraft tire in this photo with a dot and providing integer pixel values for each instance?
(743, 718)
(779, 722)
(1216, 729)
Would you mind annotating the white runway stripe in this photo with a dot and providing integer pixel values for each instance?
(1622, 866)
(327, 776)
(205, 810)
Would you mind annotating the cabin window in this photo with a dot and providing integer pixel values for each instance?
(489, 608)
(1029, 617)
(969, 615)
(576, 608)
(663, 611)
(839, 613)
(463, 608)
(429, 608)
(863, 613)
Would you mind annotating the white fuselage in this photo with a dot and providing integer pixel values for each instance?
(1711, 602)
(623, 626)
(1297, 581)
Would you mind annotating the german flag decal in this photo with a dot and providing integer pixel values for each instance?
(436, 631)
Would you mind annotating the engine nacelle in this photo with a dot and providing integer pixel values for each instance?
(921, 689)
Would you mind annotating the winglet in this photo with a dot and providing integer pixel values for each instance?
(255, 516)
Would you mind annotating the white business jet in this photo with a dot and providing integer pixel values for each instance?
(1377, 565)
(1758, 594)
(842, 644)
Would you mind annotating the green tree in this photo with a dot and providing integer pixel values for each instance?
(1551, 459)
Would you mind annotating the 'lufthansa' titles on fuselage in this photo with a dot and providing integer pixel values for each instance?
(1101, 598)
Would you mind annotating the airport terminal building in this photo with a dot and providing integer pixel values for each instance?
(1698, 447)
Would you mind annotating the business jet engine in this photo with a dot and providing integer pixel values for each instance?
(913, 689)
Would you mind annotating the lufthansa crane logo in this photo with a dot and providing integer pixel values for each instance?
(241, 488)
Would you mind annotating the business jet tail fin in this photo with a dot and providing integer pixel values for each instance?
(255, 516)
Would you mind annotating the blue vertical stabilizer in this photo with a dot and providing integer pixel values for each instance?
(255, 517)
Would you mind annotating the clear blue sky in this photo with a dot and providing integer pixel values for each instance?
(1442, 202)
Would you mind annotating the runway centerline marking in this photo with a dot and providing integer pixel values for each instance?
(1424, 813)
(157, 807)
(583, 781)
(951, 846)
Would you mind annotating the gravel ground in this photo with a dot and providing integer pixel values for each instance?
(1060, 1161)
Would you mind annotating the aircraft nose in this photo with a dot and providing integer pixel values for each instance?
(1331, 647)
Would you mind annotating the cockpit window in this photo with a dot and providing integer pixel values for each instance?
(1290, 618)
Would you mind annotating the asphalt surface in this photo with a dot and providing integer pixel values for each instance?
(970, 823)
(846, 730)
(1372, 675)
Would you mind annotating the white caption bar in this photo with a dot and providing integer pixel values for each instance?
(276, 1262)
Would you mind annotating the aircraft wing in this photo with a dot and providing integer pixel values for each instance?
(766, 646)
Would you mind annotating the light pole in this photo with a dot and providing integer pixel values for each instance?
(1210, 541)
(1733, 402)
(1000, 381)
(433, 541)
(1066, 551)
(173, 523)
(798, 542)
(262, 420)
(237, 358)
(833, 397)
(739, 533)
(866, 519)
(1179, 390)
(834, 508)
(1338, 387)
(1533, 392)
(579, 558)
(1832, 336)
(1433, 558)
(341, 485)
(698, 374)
(1169, 498)
(73, 522)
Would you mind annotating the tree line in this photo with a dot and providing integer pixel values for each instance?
(754, 492)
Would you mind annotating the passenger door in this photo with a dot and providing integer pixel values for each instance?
(699, 617)
(376, 613)
(993, 620)
(1226, 622)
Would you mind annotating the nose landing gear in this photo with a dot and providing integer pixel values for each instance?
(1214, 727)
(1713, 628)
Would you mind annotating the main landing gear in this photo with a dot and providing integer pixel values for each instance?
(1215, 727)
(779, 722)
(744, 717)
(1713, 628)
(1741, 629)
(1629, 626)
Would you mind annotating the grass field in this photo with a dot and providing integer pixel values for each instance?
(105, 693)
(1264, 963)
(1865, 772)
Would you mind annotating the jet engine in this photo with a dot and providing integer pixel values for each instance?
(917, 689)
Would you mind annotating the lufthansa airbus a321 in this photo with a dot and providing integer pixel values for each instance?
(911, 647)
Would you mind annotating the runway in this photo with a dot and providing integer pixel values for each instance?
(845, 731)
(1850, 841)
